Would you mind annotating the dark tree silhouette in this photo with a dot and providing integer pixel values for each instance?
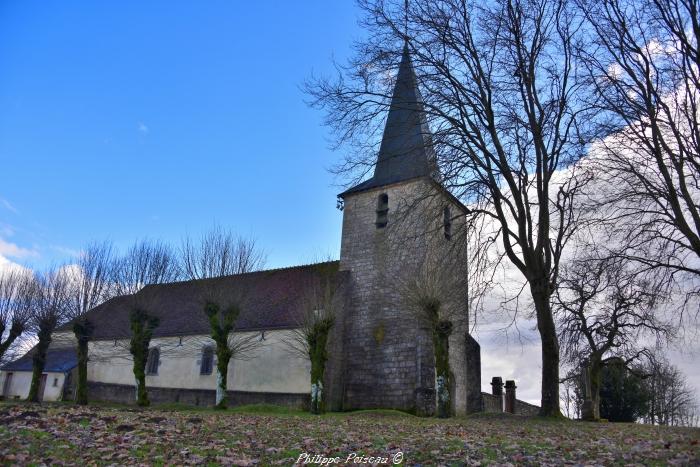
(671, 399)
(645, 68)
(606, 313)
(49, 310)
(17, 294)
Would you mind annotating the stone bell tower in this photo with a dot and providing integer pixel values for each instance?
(392, 223)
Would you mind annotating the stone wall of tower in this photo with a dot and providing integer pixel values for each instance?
(388, 349)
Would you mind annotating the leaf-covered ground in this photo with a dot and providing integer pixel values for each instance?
(56, 434)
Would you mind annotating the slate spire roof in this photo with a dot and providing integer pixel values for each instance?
(406, 150)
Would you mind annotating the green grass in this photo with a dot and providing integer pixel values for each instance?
(176, 434)
(267, 409)
(380, 412)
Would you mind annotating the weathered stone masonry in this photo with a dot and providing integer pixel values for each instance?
(388, 356)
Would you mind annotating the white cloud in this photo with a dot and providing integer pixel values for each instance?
(14, 251)
(7, 265)
(143, 129)
(8, 206)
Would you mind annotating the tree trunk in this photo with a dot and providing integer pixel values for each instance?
(317, 397)
(591, 406)
(81, 394)
(317, 340)
(223, 357)
(550, 349)
(441, 346)
(38, 362)
(141, 393)
(142, 326)
(83, 331)
(596, 377)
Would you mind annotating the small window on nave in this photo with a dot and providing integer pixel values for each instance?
(153, 361)
(207, 364)
(447, 222)
(382, 210)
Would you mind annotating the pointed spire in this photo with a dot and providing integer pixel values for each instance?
(405, 23)
(406, 150)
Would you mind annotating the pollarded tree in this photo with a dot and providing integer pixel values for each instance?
(435, 292)
(17, 294)
(145, 263)
(218, 254)
(90, 284)
(506, 106)
(607, 313)
(49, 310)
(321, 304)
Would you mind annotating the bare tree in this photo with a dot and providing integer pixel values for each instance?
(645, 68)
(219, 253)
(573, 394)
(48, 311)
(322, 303)
(506, 105)
(672, 400)
(90, 285)
(606, 312)
(17, 290)
(145, 263)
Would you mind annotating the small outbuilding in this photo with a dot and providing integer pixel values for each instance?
(56, 380)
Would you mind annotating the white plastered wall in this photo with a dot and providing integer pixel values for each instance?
(21, 380)
(269, 367)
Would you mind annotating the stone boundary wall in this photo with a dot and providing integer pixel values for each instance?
(492, 404)
(525, 408)
(124, 394)
(475, 401)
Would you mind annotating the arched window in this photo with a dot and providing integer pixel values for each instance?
(447, 222)
(153, 361)
(207, 361)
(382, 210)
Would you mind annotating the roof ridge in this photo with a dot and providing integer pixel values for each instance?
(242, 274)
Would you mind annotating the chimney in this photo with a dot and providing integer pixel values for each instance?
(497, 390)
(510, 396)
(497, 386)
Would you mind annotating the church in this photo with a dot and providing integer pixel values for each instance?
(402, 234)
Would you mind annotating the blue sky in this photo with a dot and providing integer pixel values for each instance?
(124, 120)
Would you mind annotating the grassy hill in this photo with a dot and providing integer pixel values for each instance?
(265, 435)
